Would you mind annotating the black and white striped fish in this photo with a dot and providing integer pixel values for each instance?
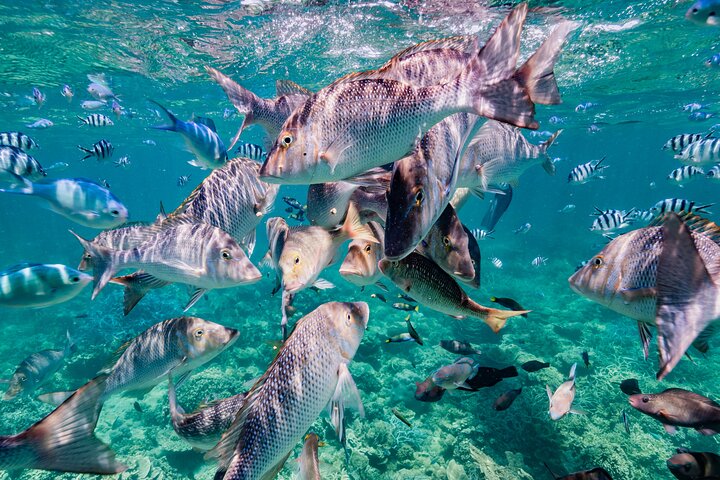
(642, 216)
(251, 151)
(586, 172)
(96, 120)
(14, 161)
(684, 175)
(17, 140)
(714, 173)
(701, 152)
(182, 180)
(678, 143)
(607, 223)
(101, 150)
(678, 205)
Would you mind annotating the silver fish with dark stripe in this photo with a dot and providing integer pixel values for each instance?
(701, 152)
(251, 151)
(591, 170)
(685, 175)
(17, 140)
(96, 120)
(100, 150)
(15, 161)
(612, 221)
(678, 205)
(678, 143)
(309, 373)
(32, 285)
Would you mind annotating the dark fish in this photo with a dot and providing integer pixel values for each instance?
(676, 407)
(630, 386)
(407, 298)
(508, 303)
(293, 203)
(400, 338)
(412, 332)
(504, 401)
(427, 391)
(687, 465)
(401, 417)
(586, 358)
(534, 365)
(489, 376)
(461, 348)
(379, 296)
(136, 406)
(405, 307)
(597, 473)
(100, 150)
(626, 422)
(498, 206)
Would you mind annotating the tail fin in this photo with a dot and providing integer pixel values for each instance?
(493, 317)
(571, 375)
(102, 263)
(494, 90)
(548, 164)
(136, 286)
(55, 398)
(27, 185)
(353, 228)
(70, 346)
(537, 74)
(176, 411)
(82, 121)
(64, 440)
(243, 99)
(173, 125)
(89, 152)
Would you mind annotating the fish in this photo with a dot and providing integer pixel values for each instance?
(137, 406)
(700, 116)
(80, 200)
(701, 152)
(360, 266)
(497, 263)
(561, 401)
(427, 391)
(534, 365)
(482, 234)
(123, 162)
(41, 123)
(124, 237)
(412, 332)
(458, 347)
(14, 162)
(270, 114)
(454, 375)
(626, 422)
(570, 207)
(38, 97)
(233, 199)
(101, 150)
(401, 417)
(486, 86)
(504, 401)
(684, 175)
(438, 291)
(713, 173)
(586, 358)
(196, 254)
(586, 172)
(64, 441)
(679, 143)
(93, 104)
(585, 106)
(96, 120)
(703, 12)
(489, 376)
(676, 407)
(36, 370)
(713, 61)
(293, 203)
(183, 180)
(608, 223)
(327, 203)
(406, 307)
(55, 398)
(508, 303)
(679, 205)
(325, 341)
(251, 151)
(623, 277)
(201, 139)
(177, 345)
(203, 428)
(522, 229)
(405, 297)
(687, 465)
(597, 473)
(400, 338)
(67, 92)
(539, 261)
(308, 462)
(630, 386)
(18, 140)
(100, 91)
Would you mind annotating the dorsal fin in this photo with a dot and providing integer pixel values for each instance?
(183, 206)
(288, 87)
(462, 43)
(208, 122)
(20, 266)
(695, 223)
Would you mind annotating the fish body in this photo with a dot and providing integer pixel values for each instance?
(454, 375)
(309, 371)
(379, 296)
(437, 290)
(93, 104)
(586, 358)
(202, 140)
(703, 151)
(176, 346)
(714, 173)
(13, 161)
(704, 12)
(687, 465)
(522, 229)
(123, 162)
(427, 391)
(96, 120)
(327, 203)
(17, 140)
(497, 263)
(561, 401)
(630, 386)
(534, 365)
(203, 428)
(538, 262)
(233, 199)
(508, 303)
(67, 92)
(251, 151)
(679, 143)
(123, 237)
(504, 401)
(100, 91)
(684, 175)
(400, 338)
(679, 205)
(116, 108)
(308, 463)
(405, 307)
(183, 180)
(567, 208)
(700, 116)
(36, 370)
(611, 222)
(676, 407)
(489, 376)
(30, 285)
(42, 123)
(101, 150)
(38, 97)
(586, 172)
(458, 347)
(77, 199)
(713, 61)
(597, 473)
(360, 266)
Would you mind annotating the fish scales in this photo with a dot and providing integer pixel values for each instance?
(14, 160)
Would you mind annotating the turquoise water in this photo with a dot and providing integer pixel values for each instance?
(640, 63)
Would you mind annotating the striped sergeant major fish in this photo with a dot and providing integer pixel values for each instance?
(96, 120)
(100, 150)
(200, 137)
(684, 175)
(701, 152)
(678, 143)
(587, 171)
(14, 161)
(33, 285)
(251, 151)
(17, 140)
(713, 173)
(612, 221)
(678, 205)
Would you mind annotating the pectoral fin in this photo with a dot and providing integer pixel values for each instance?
(346, 395)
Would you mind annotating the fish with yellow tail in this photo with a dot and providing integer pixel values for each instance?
(561, 401)
(308, 462)
(436, 289)
(309, 373)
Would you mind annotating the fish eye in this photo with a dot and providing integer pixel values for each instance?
(297, 260)
(645, 399)
(419, 197)
(225, 253)
(446, 240)
(75, 279)
(115, 212)
(199, 333)
(597, 261)
(368, 248)
(286, 141)
(22, 378)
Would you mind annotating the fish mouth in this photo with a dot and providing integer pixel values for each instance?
(463, 276)
(234, 334)
(350, 272)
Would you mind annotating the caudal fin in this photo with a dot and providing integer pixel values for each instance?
(243, 99)
(102, 263)
(173, 121)
(136, 286)
(537, 73)
(64, 441)
(493, 317)
(548, 164)
(353, 227)
(27, 185)
(176, 411)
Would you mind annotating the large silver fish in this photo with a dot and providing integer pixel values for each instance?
(232, 198)
(624, 278)
(424, 281)
(37, 369)
(309, 374)
(32, 285)
(360, 266)
(125, 236)
(64, 441)
(176, 346)
(203, 428)
(363, 121)
(14, 161)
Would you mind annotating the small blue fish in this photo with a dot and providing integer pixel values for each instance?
(31, 285)
(704, 12)
(692, 107)
(713, 61)
(583, 107)
(42, 123)
(700, 116)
